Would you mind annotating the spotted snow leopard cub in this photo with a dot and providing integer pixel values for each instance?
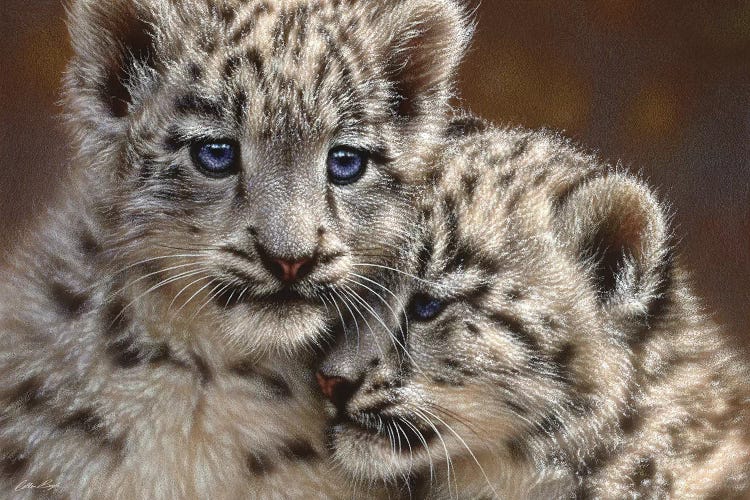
(237, 164)
(541, 341)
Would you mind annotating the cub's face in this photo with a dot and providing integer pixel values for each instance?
(256, 156)
(504, 333)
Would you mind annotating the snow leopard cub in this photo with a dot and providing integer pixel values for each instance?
(541, 341)
(237, 161)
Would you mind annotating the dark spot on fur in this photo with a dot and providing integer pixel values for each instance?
(425, 256)
(469, 185)
(204, 372)
(240, 107)
(550, 424)
(255, 59)
(465, 257)
(195, 71)
(374, 363)
(645, 471)
(245, 369)
(193, 103)
(71, 302)
(231, 65)
(459, 257)
(540, 178)
(444, 381)
(452, 364)
(258, 464)
(473, 329)
(516, 408)
(516, 450)
(562, 360)
(115, 320)
(518, 331)
(160, 354)
(13, 462)
(124, 352)
(30, 393)
(226, 15)
(703, 452)
(505, 179)
(630, 422)
(299, 450)
(88, 243)
(477, 297)
(84, 420)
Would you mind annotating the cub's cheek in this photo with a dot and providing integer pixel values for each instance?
(333, 270)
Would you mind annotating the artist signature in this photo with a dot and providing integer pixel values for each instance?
(28, 485)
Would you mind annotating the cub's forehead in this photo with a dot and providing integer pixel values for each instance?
(291, 63)
(492, 203)
(295, 34)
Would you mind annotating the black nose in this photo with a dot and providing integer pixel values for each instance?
(338, 390)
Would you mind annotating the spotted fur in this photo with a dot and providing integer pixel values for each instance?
(570, 360)
(147, 350)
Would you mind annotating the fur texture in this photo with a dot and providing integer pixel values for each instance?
(147, 349)
(564, 355)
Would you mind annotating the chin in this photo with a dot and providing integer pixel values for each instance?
(368, 457)
(276, 328)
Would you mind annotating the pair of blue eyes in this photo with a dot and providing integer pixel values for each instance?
(220, 159)
(425, 308)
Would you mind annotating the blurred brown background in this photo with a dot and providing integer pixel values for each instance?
(664, 86)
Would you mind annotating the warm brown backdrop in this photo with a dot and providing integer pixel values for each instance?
(664, 86)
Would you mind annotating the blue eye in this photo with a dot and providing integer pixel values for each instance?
(425, 308)
(215, 159)
(346, 165)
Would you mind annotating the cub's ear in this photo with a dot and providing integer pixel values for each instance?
(616, 227)
(114, 46)
(425, 44)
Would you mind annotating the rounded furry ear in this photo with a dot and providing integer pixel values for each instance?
(114, 51)
(427, 40)
(616, 227)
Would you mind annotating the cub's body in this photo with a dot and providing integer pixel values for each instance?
(540, 340)
(238, 166)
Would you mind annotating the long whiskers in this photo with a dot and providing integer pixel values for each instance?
(463, 442)
(404, 273)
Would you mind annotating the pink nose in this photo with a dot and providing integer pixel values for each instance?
(290, 271)
(328, 384)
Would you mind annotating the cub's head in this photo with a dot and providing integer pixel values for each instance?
(253, 157)
(508, 334)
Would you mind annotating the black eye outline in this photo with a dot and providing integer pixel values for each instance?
(424, 308)
(346, 152)
(231, 167)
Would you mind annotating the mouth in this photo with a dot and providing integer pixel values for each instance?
(233, 295)
(398, 433)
